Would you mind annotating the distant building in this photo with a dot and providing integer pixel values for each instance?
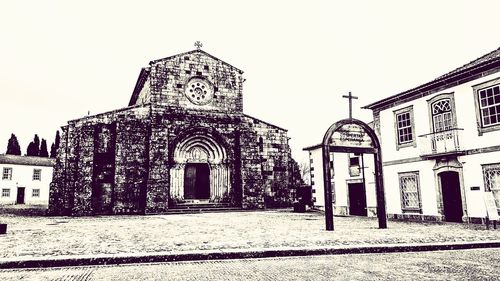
(25, 179)
(183, 139)
(441, 144)
(353, 182)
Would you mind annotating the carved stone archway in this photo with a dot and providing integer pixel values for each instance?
(200, 147)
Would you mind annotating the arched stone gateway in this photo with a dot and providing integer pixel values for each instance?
(201, 169)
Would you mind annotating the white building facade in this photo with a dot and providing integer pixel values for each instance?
(441, 144)
(25, 179)
(353, 182)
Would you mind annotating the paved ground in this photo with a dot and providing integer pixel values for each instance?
(448, 265)
(56, 236)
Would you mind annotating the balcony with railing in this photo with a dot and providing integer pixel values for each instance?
(441, 143)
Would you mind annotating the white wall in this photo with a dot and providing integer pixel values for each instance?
(340, 178)
(22, 176)
(472, 171)
(465, 116)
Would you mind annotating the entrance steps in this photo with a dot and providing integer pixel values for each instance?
(200, 206)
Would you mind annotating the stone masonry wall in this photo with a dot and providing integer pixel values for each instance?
(71, 190)
(131, 164)
(275, 156)
(59, 193)
(169, 76)
(181, 123)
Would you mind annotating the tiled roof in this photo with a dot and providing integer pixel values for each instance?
(454, 77)
(494, 55)
(26, 160)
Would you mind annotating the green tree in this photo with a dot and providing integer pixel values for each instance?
(55, 145)
(43, 149)
(13, 146)
(34, 147)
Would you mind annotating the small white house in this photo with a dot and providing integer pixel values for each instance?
(353, 182)
(25, 179)
(441, 144)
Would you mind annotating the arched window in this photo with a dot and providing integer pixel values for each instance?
(442, 115)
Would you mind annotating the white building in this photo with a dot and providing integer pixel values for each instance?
(441, 144)
(353, 182)
(25, 179)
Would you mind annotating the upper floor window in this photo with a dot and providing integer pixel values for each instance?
(410, 192)
(37, 174)
(441, 115)
(354, 166)
(7, 174)
(405, 127)
(442, 112)
(487, 100)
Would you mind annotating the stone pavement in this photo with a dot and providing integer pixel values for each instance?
(479, 264)
(45, 237)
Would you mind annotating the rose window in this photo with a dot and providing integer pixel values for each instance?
(199, 91)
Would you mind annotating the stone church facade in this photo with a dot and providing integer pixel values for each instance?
(182, 138)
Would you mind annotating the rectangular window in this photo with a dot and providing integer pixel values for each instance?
(405, 133)
(7, 174)
(491, 175)
(354, 161)
(354, 167)
(487, 101)
(405, 127)
(37, 174)
(489, 106)
(5, 192)
(35, 192)
(410, 192)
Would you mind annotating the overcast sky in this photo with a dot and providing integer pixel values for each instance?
(61, 59)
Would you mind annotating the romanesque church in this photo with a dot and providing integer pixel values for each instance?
(182, 139)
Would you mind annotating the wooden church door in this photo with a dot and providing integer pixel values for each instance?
(197, 181)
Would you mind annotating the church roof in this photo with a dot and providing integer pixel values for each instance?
(141, 80)
(194, 52)
(26, 160)
(479, 67)
(267, 123)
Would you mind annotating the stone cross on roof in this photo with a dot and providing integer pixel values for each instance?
(350, 97)
(198, 45)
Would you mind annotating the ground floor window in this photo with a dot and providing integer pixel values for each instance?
(36, 192)
(491, 174)
(5, 192)
(410, 192)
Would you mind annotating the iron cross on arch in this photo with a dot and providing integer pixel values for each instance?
(350, 97)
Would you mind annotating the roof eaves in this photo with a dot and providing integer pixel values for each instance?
(312, 147)
(141, 80)
(440, 81)
(267, 123)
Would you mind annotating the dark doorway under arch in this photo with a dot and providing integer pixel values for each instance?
(452, 198)
(197, 181)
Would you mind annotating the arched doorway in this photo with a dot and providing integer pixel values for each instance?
(201, 170)
(452, 198)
